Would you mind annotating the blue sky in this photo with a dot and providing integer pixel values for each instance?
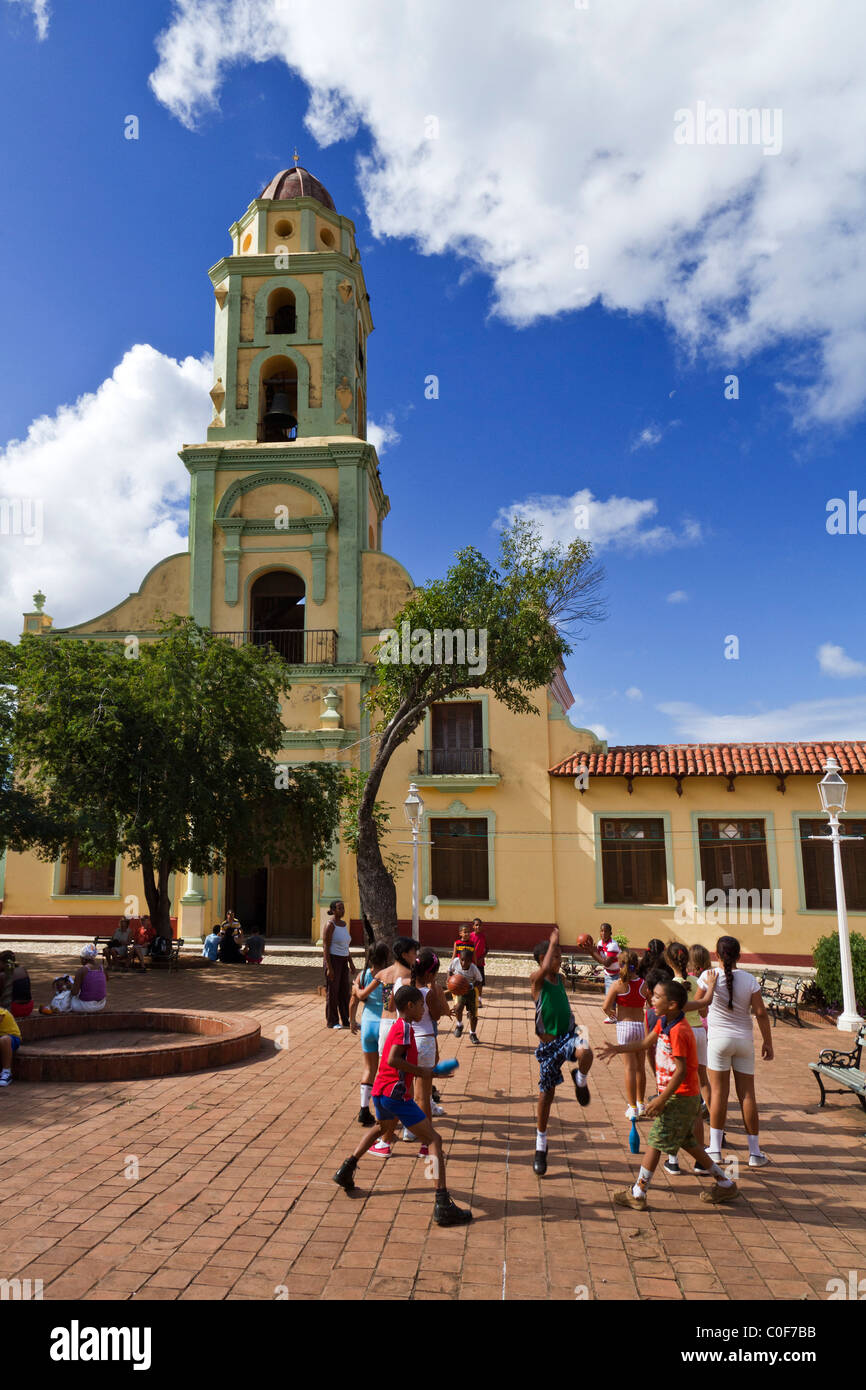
(108, 242)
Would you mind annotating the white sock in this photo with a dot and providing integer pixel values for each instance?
(366, 1092)
(716, 1140)
(719, 1175)
(580, 1078)
(540, 1141)
(754, 1143)
(643, 1182)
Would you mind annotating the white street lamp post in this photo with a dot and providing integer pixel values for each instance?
(414, 809)
(834, 792)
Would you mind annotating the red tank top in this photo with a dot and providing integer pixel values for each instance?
(632, 999)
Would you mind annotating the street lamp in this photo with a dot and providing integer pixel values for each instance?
(834, 792)
(413, 807)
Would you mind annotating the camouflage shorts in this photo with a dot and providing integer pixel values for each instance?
(674, 1128)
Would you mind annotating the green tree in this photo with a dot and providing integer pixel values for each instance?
(162, 752)
(528, 607)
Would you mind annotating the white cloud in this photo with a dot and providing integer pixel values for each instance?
(546, 128)
(620, 522)
(41, 14)
(112, 493)
(834, 661)
(383, 436)
(634, 693)
(819, 720)
(648, 438)
(678, 596)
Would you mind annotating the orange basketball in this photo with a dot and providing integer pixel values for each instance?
(585, 942)
(458, 984)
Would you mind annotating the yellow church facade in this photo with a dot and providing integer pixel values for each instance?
(528, 821)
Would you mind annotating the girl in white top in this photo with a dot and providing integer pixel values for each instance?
(730, 1044)
(424, 973)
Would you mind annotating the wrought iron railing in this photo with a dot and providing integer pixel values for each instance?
(433, 761)
(314, 646)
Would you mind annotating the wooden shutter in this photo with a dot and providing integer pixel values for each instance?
(458, 859)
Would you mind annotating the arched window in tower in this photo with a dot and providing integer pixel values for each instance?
(277, 613)
(281, 315)
(278, 401)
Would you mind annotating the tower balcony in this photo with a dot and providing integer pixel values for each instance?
(300, 647)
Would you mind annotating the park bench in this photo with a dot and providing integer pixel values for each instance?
(168, 961)
(581, 970)
(782, 995)
(843, 1068)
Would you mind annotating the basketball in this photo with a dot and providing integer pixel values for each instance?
(585, 942)
(458, 984)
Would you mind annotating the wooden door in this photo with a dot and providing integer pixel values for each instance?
(290, 900)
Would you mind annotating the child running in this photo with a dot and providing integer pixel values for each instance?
(370, 992)
(677, 957)
(625, 997)
(678, 1102)
(392, 978)
(559, 1040)
(464, 964)
(424, 973)
(392, 1105)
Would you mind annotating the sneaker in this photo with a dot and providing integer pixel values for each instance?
(435, 1095)
(345, 1174)
(539, 1163)
(458, 1031)
(424, 1151)
(365, 1117)
(408, 1136)
(380, 1149)
(716, 1196)
(713, 1156)
(445, 1213)
(436, 1109)
(5, 1077)
(672, 1166)
(641, 1108)
(335, 1027)
(702, 1172)
(582, 1092)
(758, 1160)
(610, 1020)
(628, 1199)
(473, 1037)
(631, 1112)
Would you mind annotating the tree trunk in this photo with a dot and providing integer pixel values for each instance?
(375, 885)
(156, 895)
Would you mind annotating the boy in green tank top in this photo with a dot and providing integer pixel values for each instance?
(559, 1040)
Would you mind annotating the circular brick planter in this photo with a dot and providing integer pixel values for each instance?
(131, 1044)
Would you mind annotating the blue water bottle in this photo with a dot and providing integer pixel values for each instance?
(634, 1138)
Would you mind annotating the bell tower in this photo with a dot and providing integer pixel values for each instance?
(292, 320)
(285, 495)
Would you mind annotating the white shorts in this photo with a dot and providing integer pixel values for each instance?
(728, 1050)
(701, 1040)
(388, 1021)
(630, 1030)
(86, 1006)
(426, 1043)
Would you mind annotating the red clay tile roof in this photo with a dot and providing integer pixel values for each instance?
(714, 759)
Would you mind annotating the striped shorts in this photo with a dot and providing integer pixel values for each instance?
(629, 1030)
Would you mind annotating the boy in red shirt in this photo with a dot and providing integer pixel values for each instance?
(479, 942)
(399, 1059)
(678, 1103)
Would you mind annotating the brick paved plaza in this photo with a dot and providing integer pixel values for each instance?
(235, 1195)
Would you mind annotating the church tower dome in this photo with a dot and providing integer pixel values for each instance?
(296, 182)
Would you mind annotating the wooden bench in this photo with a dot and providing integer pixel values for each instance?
(843, 1068)
(782, 995)
(171, 959)
(581, 970)
(113, 962)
